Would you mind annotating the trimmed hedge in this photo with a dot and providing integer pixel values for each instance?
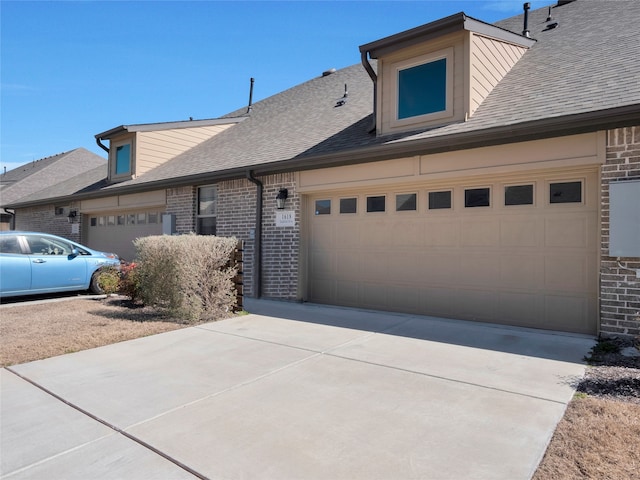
(190, 276)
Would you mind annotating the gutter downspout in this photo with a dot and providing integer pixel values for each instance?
(367, 66)
(101, 145)
(12, 222)
(257, 266)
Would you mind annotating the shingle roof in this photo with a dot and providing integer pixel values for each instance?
(581, 75)
(587, 64)
(86, 182)
(35, 177)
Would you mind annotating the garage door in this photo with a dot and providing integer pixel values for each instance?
(519, 251)
(116, 231)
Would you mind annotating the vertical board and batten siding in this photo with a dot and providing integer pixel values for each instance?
(491, 60)
(155, 148)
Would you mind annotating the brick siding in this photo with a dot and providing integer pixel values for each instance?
(43, 219)
(280, 245)
(182, 203)
(236, 217)
(619, 288)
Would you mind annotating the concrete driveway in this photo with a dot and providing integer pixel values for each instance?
(295, 392)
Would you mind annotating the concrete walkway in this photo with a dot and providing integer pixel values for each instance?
(294, 392)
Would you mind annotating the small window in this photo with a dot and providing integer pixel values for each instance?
(102, 221)
(207, 210)
(422, 89)
(439, 200)
(93, 222)
(111, 220)
(477, 197)
(518, 195)
(565, 192)
(152, 217)
(131, 219)
(141, 218)
(376, 204)
(406, 202)
(323, 207)
(348, 205)
(120, 220)
(123, 159)
(207, 200)
(59, 211)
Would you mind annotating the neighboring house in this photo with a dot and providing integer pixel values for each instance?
(40, 175)
(463, 170)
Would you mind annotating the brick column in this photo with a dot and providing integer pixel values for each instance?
(182, 203)
(619, 288)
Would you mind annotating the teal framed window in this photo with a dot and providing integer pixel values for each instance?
(123, 159)
(422, 89)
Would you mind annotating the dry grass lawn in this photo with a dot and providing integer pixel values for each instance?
(33, 332)
(598, 438)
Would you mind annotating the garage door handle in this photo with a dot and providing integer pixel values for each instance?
(39, 260)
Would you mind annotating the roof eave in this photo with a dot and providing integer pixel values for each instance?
(619, 117)
(439, 28)
(154, 127)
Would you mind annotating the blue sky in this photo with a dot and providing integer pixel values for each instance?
(70, 70)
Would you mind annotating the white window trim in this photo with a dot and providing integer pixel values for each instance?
(447, 54)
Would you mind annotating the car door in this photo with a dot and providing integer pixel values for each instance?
(15, 267)
(54, 266)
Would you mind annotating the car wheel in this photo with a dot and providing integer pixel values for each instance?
(95, 285)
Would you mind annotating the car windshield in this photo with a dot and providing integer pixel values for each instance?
(48, 246)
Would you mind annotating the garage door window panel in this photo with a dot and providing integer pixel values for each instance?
(323, 207)
(406, 202)
(565, 192)
(376, 204)
(518, 195)
(477, 197)
(348, 205)
(440, 200)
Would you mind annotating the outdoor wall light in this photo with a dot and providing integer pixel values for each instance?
(72, 216)
(283, 194)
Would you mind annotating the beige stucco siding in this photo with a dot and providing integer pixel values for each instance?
(155, 148)
(491, 60)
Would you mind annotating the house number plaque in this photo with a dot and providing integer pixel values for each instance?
(285, 218)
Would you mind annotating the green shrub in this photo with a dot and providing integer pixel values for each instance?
(189, 275)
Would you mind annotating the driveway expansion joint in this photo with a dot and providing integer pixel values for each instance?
(106, 424)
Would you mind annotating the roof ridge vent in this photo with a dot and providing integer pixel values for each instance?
(326, 73)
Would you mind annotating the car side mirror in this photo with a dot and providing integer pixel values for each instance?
(75, 252)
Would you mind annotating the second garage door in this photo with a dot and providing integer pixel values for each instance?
(518, 250)
(116, 231)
